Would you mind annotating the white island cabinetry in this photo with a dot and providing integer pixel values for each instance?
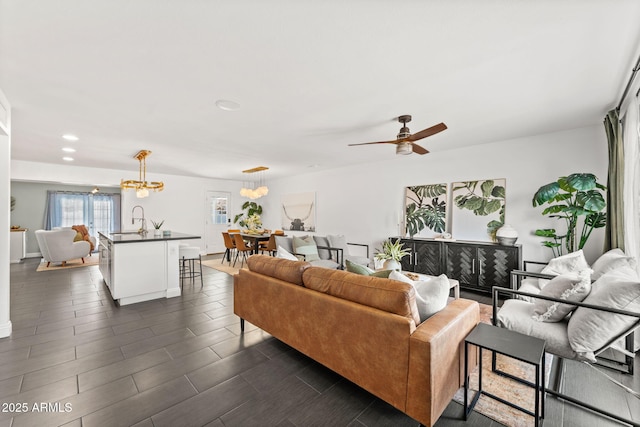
(141, 267)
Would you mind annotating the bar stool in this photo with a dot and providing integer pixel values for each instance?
(188, 256)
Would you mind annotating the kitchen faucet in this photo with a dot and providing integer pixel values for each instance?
(143, 229)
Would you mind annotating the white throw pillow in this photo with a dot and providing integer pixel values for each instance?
(573, 262)
(431, 295)
(588, 329)
(611, 260)
(569, 287)
(283, 253)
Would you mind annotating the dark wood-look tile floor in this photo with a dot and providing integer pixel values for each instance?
(76, 359)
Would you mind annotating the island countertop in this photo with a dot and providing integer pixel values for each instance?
(133, 237)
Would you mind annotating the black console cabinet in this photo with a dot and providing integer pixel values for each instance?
(476, 265)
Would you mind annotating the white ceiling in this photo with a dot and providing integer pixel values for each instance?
(310, 77)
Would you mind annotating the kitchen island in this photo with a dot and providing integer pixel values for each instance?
(141, 267)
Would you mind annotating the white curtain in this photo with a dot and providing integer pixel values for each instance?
(631, 139)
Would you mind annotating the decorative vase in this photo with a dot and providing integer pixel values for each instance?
(391, 264)
(507, 235)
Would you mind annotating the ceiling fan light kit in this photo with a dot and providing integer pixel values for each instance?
(404, 148)
(405, 141)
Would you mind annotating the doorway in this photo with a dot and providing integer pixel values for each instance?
(217, 220)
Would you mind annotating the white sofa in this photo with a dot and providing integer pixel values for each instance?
(58, 246)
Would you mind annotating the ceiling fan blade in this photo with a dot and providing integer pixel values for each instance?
(369, 143)
(428, 132)
(418, 149)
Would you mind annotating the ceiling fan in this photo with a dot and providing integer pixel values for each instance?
(405, 142)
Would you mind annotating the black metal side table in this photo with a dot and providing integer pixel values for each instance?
(512, 344)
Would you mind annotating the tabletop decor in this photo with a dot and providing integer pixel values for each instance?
(156, 226)
(391, 253)
(251, 218)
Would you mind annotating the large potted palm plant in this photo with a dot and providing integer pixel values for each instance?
(569, 198)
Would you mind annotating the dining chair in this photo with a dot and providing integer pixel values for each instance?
(230, 246)
(241, 247)
(269, 246)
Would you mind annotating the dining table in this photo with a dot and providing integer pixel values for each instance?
(255, 240)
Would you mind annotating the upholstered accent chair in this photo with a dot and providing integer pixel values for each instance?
(586, 313)
(58, 245)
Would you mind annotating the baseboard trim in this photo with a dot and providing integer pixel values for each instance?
(6, 329)
(174, 292)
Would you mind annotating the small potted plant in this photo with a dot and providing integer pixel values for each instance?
(391, 253)
(156, 225)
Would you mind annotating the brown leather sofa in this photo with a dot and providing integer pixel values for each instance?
(362, 327)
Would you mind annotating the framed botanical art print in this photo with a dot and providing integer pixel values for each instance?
(425, 210)
(478, 208)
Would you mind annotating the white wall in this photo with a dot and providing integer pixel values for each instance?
(5, 209)
(181, 204)
(364, 202)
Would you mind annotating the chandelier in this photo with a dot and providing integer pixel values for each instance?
(255, 188)
(141, 185)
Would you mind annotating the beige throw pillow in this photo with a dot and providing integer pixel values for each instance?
(306, 246)
(569, 287)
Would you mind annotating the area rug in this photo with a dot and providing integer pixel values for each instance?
(74, 263)
(224, 267)
(506, 388)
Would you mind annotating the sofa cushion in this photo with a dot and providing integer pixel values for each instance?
(589, 330)
(306, 246)
(285, 242)
(322, 241)
(325, 263)
(517, 315)
(611, 260)
(283, 269)
(431, 295)
(340, 241)
(568, 287)
(388, 295)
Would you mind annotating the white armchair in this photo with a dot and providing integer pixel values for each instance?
(58, 246)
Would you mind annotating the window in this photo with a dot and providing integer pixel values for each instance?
(220, 210)
(98, 212)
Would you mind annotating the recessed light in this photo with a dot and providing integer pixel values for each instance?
(69, 150)
(226, 105)
(68, 159)
(70, 137)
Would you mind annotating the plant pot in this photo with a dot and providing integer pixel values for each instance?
(157, 233)
(391, 264)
